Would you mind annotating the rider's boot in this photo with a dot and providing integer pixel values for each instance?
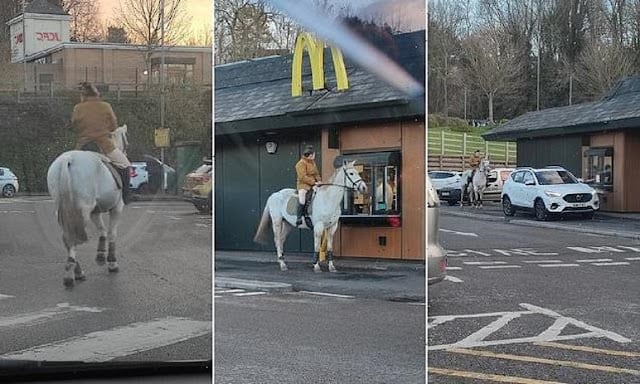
(125, 176)
(299, 214)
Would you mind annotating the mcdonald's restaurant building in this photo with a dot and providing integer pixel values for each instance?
(263, 120)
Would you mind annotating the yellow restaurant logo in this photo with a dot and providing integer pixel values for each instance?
(315, 48)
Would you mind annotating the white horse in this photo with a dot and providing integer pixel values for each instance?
(479, 183)
(280, 213)
(83, 188)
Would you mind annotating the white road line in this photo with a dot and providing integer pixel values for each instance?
(483, 262)
(541, 261)
(611, 264)
(632, 258)
(558, 265)
(250, 294)
(173, 218)
(229, 291)
(32, 318)
(328, 294)
(459, 233)
(5, 296)
(452, 279)
(117, 342)
(593, 260)
(499, 266)
(634, 249)
(454, 268)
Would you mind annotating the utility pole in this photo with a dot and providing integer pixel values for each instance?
(24, 42)
(539, 53)
(162, 80)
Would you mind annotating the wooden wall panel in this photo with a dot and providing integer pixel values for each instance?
(413, 190)
(631, 162)
(364, 242)
(371, 137)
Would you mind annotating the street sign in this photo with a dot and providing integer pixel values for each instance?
(162, 138)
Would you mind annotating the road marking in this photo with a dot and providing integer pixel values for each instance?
(453, 279)
(250, 294)
(553, 333)
(454, 268)
(229, 291)
(117, 342)
(558, 265)
(539, 360)
(634, 249)
(593, 260)
(5, 296)
(541, 261)
(486, 376)
(588, 349)
(328, 294)
(459, 233)
(632, 258)
(499, 266)
(611, 264)
(483, 262)
(17, 211)
(38, 317)
(173, 218)
(594, 249)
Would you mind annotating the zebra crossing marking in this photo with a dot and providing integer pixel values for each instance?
(44, 315)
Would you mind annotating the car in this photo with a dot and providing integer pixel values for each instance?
(548, 192)
(8, 182)
(451, 193)
(139, 177)
(436, 255)
(495, 182)
(197, 187)
(441, 179)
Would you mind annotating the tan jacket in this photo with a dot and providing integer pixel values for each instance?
(307, 173)
(94, 120)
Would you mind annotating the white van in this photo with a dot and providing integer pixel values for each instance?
(495, 181)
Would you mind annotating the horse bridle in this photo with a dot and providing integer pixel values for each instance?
(353, 183)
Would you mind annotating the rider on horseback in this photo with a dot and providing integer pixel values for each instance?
(94, 121)
(474, 162)
(307, 177)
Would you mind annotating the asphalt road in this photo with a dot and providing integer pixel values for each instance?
(534, 305)
(157, 307)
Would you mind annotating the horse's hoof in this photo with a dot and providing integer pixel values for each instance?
(113, 268)
(68, 282)
(283, 267)
(100, 259)
(316, 268)
(332, 269)
(81, 277)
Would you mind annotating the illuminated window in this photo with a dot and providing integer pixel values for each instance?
(599, 171)
(381, 172)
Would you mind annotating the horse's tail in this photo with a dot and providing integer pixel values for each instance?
(70, 215)
(263, 227)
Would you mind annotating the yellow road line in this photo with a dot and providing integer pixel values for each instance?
(486, 376)
(588, 349)
(531, 359)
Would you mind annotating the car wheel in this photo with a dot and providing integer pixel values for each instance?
(507, 208)
(588, 215)
(452, 202)
(8, 190)
(540, 210)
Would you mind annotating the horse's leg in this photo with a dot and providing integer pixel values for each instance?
(96, 217)
(317, 243)
(114, 217)
(330, 232)
(279, 241)
(69, 269)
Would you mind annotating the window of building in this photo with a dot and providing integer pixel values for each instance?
(599, 168)
(178, 71)
(381, 172)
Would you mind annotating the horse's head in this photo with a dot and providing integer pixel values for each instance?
(120, 138)
(352, 177)
(484, 165)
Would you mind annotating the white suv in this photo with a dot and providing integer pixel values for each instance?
(547, 191)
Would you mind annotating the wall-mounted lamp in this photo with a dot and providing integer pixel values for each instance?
(271, 146)
(145, 72)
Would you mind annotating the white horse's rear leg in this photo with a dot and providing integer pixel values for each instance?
(330, 232)
(114, 217)
(102, 239)
(279, 235)
(317, 242)
(72, 269)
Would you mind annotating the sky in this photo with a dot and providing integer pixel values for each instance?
(201, 11)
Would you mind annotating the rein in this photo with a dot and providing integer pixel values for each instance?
(353, 187)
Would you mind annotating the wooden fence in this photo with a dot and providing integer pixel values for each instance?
(460, 163)
(444, 142)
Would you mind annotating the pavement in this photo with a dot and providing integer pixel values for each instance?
(137, 197)
(625, 225)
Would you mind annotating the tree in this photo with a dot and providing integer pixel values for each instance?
(201, 37)
(85, 22)
(242, 29)
(600, 66)
(117, 35)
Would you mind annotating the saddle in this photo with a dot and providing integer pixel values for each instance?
(93, 147)
(292, 207)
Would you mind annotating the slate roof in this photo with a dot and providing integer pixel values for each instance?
(256, 95)
(618, 109)
(44, 7)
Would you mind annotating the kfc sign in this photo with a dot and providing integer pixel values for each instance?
(47, 36)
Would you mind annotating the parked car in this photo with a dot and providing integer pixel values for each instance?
(547, 192)
(495, 182)
(197, 187)
(8, 182)
(440, 179)
(451, 193)
(139, 177)
(436, 255)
